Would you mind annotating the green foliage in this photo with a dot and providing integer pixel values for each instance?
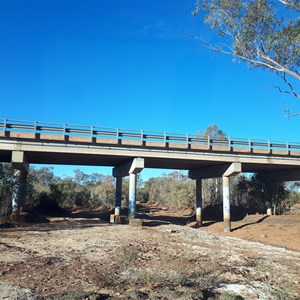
(214, 132)
(260, 192)
(266, 193)
(6, 183)
(174, 189)
(259, 32)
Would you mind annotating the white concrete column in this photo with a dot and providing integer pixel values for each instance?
(19, 191)
(199, 202)
(21, 166)
(132, 195)
(131, 168)
(118, 196)
(226, 204)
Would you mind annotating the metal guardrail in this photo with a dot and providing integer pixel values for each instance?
(96, 132)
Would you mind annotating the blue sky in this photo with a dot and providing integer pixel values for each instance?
(130, 64)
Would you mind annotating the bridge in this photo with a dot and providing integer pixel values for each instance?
(128, 152)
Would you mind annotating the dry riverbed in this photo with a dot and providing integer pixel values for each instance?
(92, 259)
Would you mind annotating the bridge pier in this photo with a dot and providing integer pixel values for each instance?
(132, 196)
(199, 202)
(224, 171)
(226, 204)
(118, 196)
(21, 166)
(130, 168)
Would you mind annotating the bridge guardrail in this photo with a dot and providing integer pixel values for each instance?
(8, 126)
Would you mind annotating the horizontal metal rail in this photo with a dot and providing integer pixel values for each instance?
(39, 129)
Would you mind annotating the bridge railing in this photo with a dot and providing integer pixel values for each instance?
(144, 137)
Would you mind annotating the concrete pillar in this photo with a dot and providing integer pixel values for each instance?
(19, 191)
(131, 168)
(226, 204)
(118, 196)
(132, 195)
(199, 202)
(21, 166)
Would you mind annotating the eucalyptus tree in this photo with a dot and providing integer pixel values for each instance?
(263, 34)
(6, 185)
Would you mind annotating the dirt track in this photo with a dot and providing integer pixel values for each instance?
(91, 259)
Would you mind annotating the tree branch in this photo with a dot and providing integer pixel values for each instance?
(268, 63)
(292, 115)
(292, 90)
(289, 4)
(273, 67)
(280, 67)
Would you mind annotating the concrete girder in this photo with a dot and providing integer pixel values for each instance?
(216, 171)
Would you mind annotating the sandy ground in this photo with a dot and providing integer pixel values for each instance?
(283, 231)
(87, 258)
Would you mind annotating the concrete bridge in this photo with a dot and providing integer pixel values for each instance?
(128, 152)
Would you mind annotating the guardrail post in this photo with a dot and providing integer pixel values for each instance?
(92, 134)
(187, 141)
(165, 139)
(4, 126)
(288, 152)
(118, 136)
(269, 146)
(250, 145)
(142, 137)
(209, 145)
(35, 129)
(65, 129)
(229, 144)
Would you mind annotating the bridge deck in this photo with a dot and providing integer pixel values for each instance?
(89, 145)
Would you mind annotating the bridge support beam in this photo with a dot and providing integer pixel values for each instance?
(131, 168)
(224, 171)
(21, 166)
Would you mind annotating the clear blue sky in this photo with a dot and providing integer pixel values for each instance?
(130, 64)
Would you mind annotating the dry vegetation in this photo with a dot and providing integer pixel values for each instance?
(77, 258)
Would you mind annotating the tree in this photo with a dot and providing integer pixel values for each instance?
(259, 33)
(6, 184)
(214, 132)
(267, 193)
